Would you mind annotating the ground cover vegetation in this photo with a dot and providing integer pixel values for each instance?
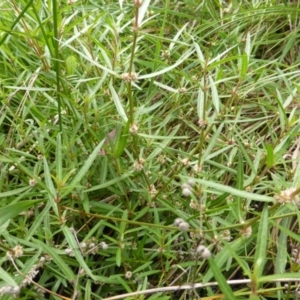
(149, 149)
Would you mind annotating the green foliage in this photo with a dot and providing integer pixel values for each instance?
(119, 117)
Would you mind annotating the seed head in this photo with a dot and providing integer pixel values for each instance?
(193, 204)
(138, 165)
(165, 54)
(186, 192)
(103, 245)
(185, 161)
(182, 90)
(32, 182)
(15, 253)
(69, 252)
(152, 190)
(202, 124)
(134, 129)
(10, 290)
(184, 226)
(177, 221)
(191, 182)
(246, 231)
(203, 251)
(197, 168)
(226, 235)
(128, 274)
(128, 77)
(288, 196)
(83, 246)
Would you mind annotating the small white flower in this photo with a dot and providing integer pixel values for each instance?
(152, 190)
(15, 252)
(185, 161)
(186, 192)
(134, 129)
(185, 186)
(202, 124)
(191, 182)
(206, 254)
(16, 290)
(246, 231)
(69, 252)
(203, 251)
(165, 54)
(32, 182)
(226, 235)
(193, 204)
(127, 77)
(10, 290)
(200, 249)
(177, 221)
(184, 226)
(83, 245)
(197, 168)
(103, 245)
(288, 196)
(138, 165)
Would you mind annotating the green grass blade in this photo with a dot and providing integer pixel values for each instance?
(7, 278)
(58, 260)
(214, 187)
(52, 192)
(10, 211)
(222, 283)
(260, 258)
(75, 248)
(87, 164)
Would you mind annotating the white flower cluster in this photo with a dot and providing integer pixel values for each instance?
(288, 196)
(181, 224)
(187, 188)
(88, 247)
(10, 290)
(15, 290)
(203, 252)
(15, 252)
(295, 254)
(128, 77)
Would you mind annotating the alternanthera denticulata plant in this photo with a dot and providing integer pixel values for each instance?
(149, 148)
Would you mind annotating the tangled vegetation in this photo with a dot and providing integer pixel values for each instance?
(149, 149)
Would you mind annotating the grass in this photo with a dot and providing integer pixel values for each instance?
(116, 119)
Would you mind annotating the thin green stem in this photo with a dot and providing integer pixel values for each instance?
(56, 61)
(5, 35)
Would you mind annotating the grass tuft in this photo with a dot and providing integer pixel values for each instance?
(149, 149)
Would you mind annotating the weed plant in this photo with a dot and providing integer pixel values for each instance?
(149, 149)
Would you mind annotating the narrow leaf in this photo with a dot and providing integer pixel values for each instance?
(75, 247)
(214, 186)
(122, 142)
(10, 211)
(62, 266)
(270, 156)
(223, 285)
(84, 169)
(7, 277)
(214, 94)
(14, 192)
(50, 186)
(261, 245)
(117, 101)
